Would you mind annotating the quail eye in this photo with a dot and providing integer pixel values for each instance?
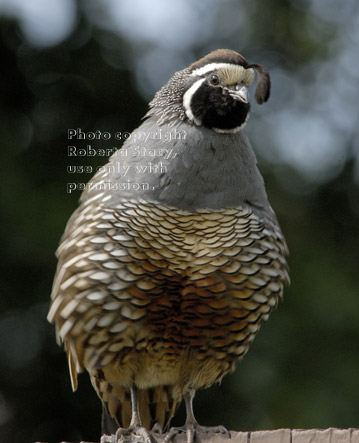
(214, 79)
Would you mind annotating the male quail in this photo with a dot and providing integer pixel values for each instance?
(166, 272)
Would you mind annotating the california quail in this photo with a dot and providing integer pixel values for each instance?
(172, 261)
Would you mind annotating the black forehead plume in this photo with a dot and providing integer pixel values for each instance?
(220, 56)
(228, 56)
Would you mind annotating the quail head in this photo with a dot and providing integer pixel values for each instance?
(172, 261)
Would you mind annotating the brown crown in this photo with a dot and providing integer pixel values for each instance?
(220, 56)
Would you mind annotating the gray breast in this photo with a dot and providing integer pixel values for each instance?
(186, 167)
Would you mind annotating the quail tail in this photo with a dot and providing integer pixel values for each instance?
(136, 431)
(142, 414)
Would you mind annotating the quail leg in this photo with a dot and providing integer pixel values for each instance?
(191, 427)
(157, 429)
(135, 432)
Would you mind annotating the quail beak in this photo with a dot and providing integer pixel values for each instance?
(241, 94)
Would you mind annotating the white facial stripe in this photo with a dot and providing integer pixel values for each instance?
(231, 131)
(230, 70)
(187, 97)
(209, 68)
(215, 66)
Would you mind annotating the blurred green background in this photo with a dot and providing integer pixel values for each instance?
(95, 65)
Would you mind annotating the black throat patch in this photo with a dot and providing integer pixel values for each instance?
(215, 108)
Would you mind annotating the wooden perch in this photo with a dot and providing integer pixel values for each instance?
(330, 435)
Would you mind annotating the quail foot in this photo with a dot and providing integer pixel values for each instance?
(166, 273)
